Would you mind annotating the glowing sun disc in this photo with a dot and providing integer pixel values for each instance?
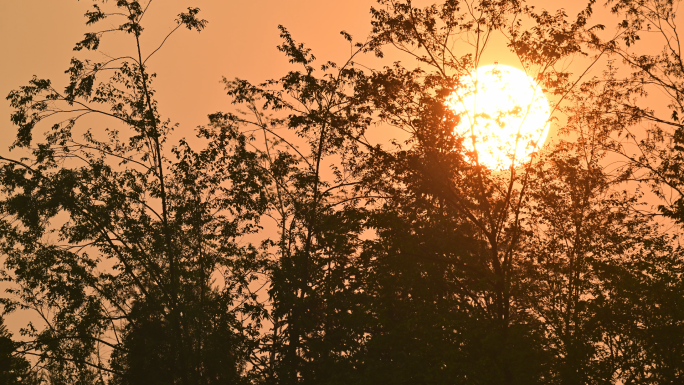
(504, 112)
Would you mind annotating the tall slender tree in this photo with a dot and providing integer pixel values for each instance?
(306, 123)
(126, 248)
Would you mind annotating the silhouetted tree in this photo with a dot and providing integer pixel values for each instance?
(129, 251)
(486, 207)
(14, 368)
(563, 214)
(306, 125)
(646, 141)
(409, 263)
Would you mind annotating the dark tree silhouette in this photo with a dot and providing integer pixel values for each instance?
(409, 263)
(14, 368)
(127, 251)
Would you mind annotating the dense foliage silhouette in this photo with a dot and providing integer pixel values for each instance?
(282, 246)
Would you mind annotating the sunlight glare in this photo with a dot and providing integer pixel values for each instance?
(497, 105)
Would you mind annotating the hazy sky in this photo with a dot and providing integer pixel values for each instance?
(239, 41)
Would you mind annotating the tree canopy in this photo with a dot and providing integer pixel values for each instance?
(285, 247)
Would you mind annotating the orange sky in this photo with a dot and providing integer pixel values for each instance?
(240, 41)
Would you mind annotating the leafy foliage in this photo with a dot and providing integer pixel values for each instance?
(287, 248)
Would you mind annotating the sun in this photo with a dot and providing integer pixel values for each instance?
(504, 116)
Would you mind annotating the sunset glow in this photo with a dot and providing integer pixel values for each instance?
(504, 115)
